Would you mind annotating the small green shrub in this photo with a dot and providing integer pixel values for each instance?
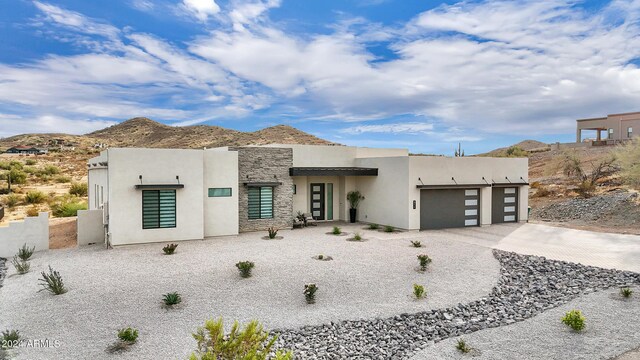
(310, 293)
(273, 232)
(389, 229)
(34, 197)
(52, 282)
(128, 335)
(462, 346)
(418, 291)
(18, 176)
(25, 252)
(320, 257)
(171, 299)
(336, 231)
(626, 292)
(424, 261)
(416, 244)
(12, 200)
(169, 249)
(245, 268)
(33, 211)
(30, 162)
(542, 192)
(574, 319)
(78, 189)
(68, 208)
(50, 170)
(250, 343)
(10, 339)
(22, 266)
(374, 226)
(62, 179)
(357, 237)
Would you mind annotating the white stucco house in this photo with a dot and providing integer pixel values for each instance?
(155, 195)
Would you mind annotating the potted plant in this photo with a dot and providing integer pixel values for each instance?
(354, 198)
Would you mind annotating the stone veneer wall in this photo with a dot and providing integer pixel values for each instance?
(262, 164)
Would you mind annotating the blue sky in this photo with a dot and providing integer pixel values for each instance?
(423, 75)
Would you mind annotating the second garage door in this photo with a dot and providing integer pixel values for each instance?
(449, 208)
(504, 205)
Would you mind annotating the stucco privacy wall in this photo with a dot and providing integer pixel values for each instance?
(220, 213)
(98, 183)
(90, 227)
(157, 166)
(33, 231)
(265, 164)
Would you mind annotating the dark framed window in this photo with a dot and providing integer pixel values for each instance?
(219, 192)
(629, 132)
(610, 134)
(158, 209)
(260, 202)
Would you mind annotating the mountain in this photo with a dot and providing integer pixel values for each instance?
(144, 132)
(527, 145)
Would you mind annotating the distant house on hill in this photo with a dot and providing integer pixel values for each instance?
(616, 128)
(23, 149)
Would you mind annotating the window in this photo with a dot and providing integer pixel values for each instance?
(610, 134)
(261, 202)
(158, 209)
(219, 192)
(629, 132)
(295, 189)
(330, 201)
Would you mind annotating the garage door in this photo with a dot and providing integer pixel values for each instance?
(504, 205)
(449, 208)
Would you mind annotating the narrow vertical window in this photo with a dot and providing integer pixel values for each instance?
(629, 132)
(329, 201)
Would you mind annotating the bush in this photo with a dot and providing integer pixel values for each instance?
(416, 244)
(12, 200)
(68, 208)
(357, 237)
(516, 151)
(389, 229)
(252, 342)
(424, 261)
(25, 252)
(34, 197)
(535, 184)
(310, 293)
(462, 346)
(336, 231)
(418, 291)
(245, 268)
(272, 232)
(128, 335)
(320, 257)
(628, 156)
(574, 319)
(22, 266)
(374, 226)
(10, 339)
(626, 292)
(169, 249)
(17, 176)
(78, 189)
(33, 211)
(62, 179)
(30, 162)
(50, 170)
(172, 298)
(542, 192)
(52, 282)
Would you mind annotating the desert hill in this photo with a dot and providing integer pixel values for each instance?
(527, 145)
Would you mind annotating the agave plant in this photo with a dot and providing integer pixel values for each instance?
(25, 252)
(310, 293)
(22, 266)
(169, 249)
(245, 268)
(272, 232)
(172, 298)
(52, 282)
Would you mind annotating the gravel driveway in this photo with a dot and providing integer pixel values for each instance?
(122, 287)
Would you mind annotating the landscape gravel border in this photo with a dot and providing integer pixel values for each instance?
(3, 269)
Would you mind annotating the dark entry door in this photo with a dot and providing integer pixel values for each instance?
(451, 208)
(317, 201)
(504, 205)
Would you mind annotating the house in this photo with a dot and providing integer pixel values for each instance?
(23, 149)
(153, 195)
(616, 128)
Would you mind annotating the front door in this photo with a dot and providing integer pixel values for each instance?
(317, 201)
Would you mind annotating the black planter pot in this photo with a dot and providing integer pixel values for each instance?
(352, 215)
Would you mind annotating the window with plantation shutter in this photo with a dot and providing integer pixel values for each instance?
(158, 209)
(260, 202)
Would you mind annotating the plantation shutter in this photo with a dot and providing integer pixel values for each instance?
(254, 203)
(158, 209)
(260, 202)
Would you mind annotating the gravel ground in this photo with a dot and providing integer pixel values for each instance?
(3, 269)
(111, 289)
(612, 327)
(590, 209)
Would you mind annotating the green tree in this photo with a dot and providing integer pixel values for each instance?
(628, 157)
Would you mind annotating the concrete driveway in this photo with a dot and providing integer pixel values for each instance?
(614, 251)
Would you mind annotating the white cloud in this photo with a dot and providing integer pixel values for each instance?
(395, 128)
(201, 9)
(143, 5)
(76, 21)
(49, 124)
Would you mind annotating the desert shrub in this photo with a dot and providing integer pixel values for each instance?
(34, 197)
(171, 299)
(424, 261)
(389, 229)
(10, 339)
(373, 227)
(626, 292)
(68, 208)
(50, 170)
(25, 252)
(462, 346)
(357, 237)
(516, 151)
(128, 335)
(78, 189)
(22, 266)
(30, 170)
(418, 291)
(32, 211)
(574, 319)
(63, 179)
(4, 165)
(310, 293)
(273, 232)
(30, 162)
(52, 282)
(336, 231)
(535, 184)
(416, 244)
(169, 249)
(17, 176)
(627, 157)
(252, 342)
(245, 268)
(542, 192)
(586, 179)
(320, 257)
(12, 200)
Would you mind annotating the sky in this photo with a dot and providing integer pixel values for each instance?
(418, 74)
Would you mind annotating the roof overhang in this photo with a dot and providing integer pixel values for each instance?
(452, 186)
(333, 171)
(262, 183)
(159, 186)
(509, 184)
